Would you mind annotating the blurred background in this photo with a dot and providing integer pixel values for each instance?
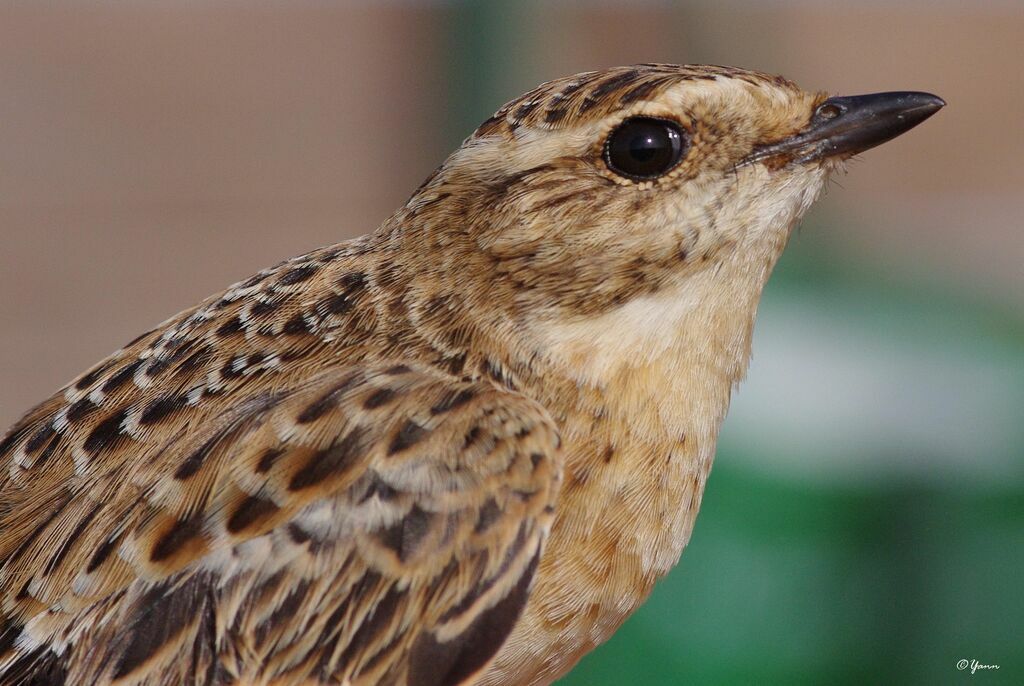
(864, 522)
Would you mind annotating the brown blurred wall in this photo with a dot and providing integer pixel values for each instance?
(154, 153)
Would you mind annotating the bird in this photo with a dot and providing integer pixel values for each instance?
(460, 449)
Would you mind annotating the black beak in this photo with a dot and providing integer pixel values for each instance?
(845, 126)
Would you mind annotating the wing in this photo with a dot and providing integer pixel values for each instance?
(376, 524)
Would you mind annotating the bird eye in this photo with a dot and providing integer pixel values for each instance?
(644, 148)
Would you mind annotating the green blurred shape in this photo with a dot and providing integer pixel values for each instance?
(784, 584)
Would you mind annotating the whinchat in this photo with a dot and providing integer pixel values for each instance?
(458, 450)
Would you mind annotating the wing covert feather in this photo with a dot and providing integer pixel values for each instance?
(373, 524)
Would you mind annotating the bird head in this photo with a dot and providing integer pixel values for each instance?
(616, 208)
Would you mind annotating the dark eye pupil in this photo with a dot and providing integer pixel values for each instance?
(644, 148)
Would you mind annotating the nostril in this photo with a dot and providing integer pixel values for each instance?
(828, 110)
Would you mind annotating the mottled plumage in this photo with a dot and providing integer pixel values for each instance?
(349, 468)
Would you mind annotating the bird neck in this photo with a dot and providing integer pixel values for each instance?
(640, 393)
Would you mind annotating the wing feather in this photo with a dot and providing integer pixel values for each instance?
(374, 524)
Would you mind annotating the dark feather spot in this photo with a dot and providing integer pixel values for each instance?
(260, 308)
(524, 110)
(467, 601)
(184, 531)
(15, 435)
(101, 554)
(493, 370)
(194, 361)
(296, 325)
(267, 459)
(230, 327)
(453, 399)
(40, 437)
(337, 304)
(489, 514)
(397, 370)
(612, 84)
(555, 115)
(524, 496)
(106, 433)
(9, 632)
(471, 437)
(157, 366)
(90, 378)
(326, 402)
(297, 534)
(80, 410)
(406, 535)
(572, 88)
(639, 92)
(378, 487)
(298, 274)
(352, 282)
(161, 408)
(439, 304)
(379, 398)
(332, 461)
(194, 461)
(158, 617)
(122, 377)
(437, 663)
(137, 339)
(252, 510)
(455, 364)
(409, 435)
(234, 367)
